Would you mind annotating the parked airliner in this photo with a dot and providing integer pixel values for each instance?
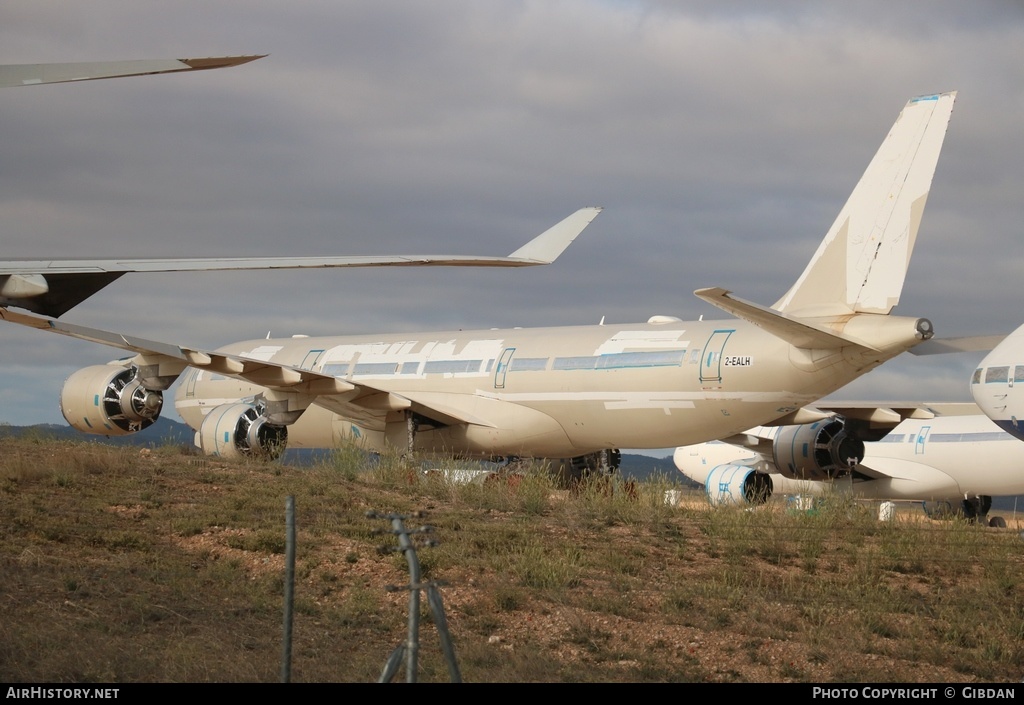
(572, 392)
(956, 460)
(998, 384)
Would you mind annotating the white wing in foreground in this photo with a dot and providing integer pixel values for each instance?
(52, 287)
(35, 74)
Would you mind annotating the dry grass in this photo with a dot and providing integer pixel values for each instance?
(117, 566)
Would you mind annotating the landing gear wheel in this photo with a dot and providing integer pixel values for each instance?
(976, 509)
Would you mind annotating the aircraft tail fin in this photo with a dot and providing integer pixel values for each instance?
(861, 264)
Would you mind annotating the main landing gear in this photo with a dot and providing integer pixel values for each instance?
(572, 472)
(975, 509)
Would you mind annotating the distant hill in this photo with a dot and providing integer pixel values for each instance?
(163, 432)
(643, 467)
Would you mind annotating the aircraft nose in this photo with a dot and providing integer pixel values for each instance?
(687, 460)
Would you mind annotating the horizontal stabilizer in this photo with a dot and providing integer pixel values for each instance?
(942, 346)
(793, 331)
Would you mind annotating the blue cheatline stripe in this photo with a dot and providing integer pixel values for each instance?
(918, 99)
(969, 437)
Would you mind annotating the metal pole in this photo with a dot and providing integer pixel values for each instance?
(412, 645)
(289, 588)
(437, 609)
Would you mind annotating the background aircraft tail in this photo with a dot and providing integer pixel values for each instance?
(861, 264)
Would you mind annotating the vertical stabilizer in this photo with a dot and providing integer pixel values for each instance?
(862, 262)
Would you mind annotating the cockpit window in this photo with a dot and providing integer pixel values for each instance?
(1018, 373)
(977, 376)
(995, 375)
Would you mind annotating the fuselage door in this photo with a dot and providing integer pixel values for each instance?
(312, 357)
(922, 436)
(190, 381)
(502, 367)
(711, 363)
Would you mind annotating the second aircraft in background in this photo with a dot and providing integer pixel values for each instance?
(959, 461)
(998, 384)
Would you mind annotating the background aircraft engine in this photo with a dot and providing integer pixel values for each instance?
(240, 430)
(108, 400)
(816, 451)
(737, 485)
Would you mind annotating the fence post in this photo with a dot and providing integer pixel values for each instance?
(289, 588)
(410, 649)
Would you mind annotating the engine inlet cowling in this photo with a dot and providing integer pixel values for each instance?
(739, 485)
(816, 451)
(109, 400)
(241, 430)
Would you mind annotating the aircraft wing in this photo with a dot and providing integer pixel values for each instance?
(754, 449)
(872, 419)
(879, 414)
(965, 459)
(892, 412)
(53, 287)
(34, 74)
(362, 402)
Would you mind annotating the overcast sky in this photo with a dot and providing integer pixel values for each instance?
(722, 138)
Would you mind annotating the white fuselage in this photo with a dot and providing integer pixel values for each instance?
(554, 392)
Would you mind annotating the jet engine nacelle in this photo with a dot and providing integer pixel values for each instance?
(738, 485)
(816, 451)
(241, 430)
(109, 400)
